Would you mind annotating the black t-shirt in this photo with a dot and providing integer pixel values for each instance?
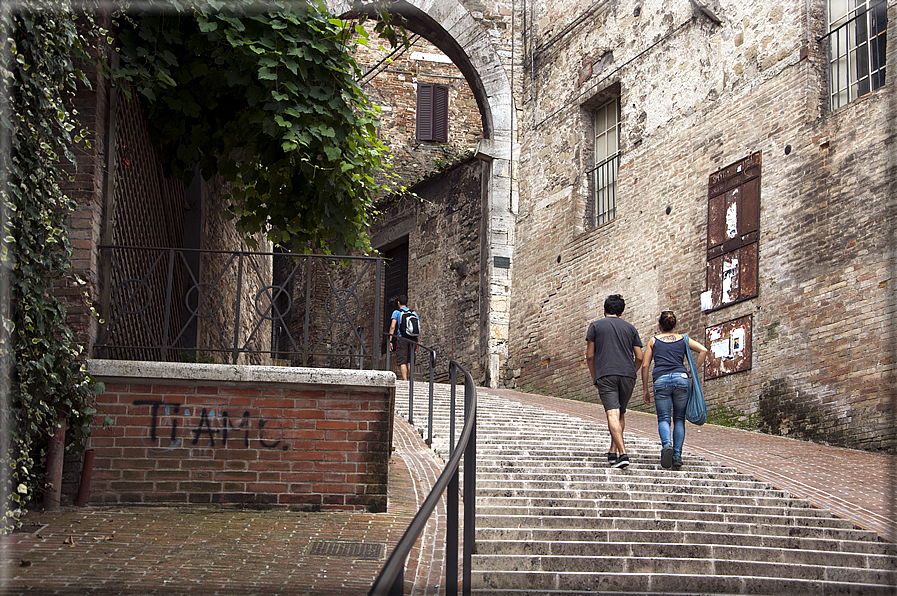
(614, 341)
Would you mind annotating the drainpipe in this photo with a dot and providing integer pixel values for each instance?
(55, 457)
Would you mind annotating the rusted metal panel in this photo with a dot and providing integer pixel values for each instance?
(716, 221)
(715, 282)
(733, 224)
(731, 347)
(749, 278)
(731, 277)
(749, 214)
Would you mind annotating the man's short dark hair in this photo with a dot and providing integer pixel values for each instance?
(614, 305)
(402, 299)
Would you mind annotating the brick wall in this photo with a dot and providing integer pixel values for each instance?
(309, 439)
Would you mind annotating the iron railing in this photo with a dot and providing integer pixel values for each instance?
(603, 182)
(181, 305)
(391, 579)
(857, 54)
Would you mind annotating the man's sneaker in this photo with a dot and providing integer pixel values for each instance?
(622, 461)
(666, 457)
(611, 457)
(677, 462)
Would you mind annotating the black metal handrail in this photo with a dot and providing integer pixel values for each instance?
(391, 579)
(415, 345)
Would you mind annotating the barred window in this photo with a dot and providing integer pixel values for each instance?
(856, 37)
(603, 176)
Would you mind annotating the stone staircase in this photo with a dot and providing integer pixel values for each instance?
(553, 518)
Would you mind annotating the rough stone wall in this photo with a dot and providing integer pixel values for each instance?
(444, 234)
(695, 97)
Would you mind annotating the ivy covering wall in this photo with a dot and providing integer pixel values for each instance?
(44, 380)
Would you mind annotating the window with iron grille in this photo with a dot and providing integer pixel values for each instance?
(857, 31)
(603, 176)
(432, 112)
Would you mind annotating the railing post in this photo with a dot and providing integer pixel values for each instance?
(375, 335)
(309, 263)
(410, 379)
(451, 538)
(236, 351)
(430, 412)
(167, 315)
(452, 384)
(470, 487)
(398, 586)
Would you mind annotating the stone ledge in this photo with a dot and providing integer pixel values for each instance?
(180, 373)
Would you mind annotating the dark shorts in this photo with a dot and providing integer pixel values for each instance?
(615, 392)
(403, 352)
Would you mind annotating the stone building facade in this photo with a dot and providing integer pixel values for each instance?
(749, 196)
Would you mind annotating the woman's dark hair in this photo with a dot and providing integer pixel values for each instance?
(614, 305)
(667, 320)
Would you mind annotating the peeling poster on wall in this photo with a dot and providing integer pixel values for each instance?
(729, 344)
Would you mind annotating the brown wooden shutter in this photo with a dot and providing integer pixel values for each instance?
(432, 112)
(424, 111)
(440, 113)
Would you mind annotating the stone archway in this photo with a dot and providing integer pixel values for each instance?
(451, 27)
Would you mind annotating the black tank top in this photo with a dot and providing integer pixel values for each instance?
(669, 357)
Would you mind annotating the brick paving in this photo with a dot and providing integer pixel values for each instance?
(207, 551)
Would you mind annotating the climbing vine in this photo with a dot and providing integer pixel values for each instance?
(44, 380)
(269, 100)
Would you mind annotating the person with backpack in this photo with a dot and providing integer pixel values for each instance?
(405, 323)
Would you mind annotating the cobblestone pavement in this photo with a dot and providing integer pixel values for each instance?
(205, 551)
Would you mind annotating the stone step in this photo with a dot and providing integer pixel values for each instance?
(619, 492)
(679, 550)
(658, 516)
(519, 582)
(615, 528)
(633, 508)
(816, 541)
(646, 565)
(605, 478)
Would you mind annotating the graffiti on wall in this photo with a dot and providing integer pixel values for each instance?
(186, 426)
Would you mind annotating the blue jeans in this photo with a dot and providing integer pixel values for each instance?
(671, 397)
